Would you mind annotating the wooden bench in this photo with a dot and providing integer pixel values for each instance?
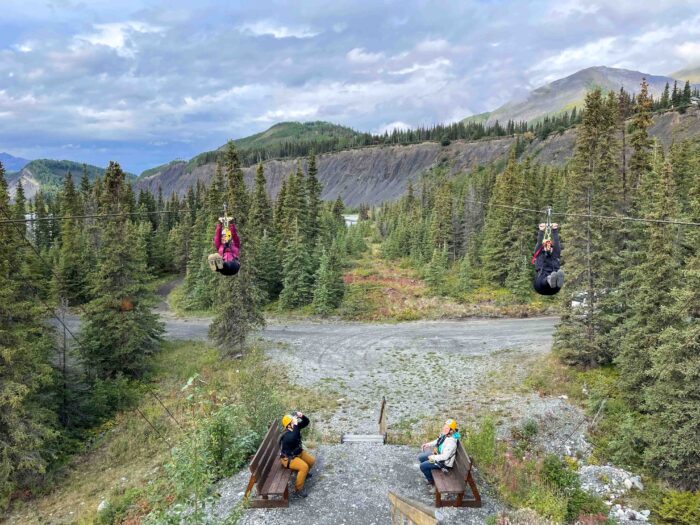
(267, 474)
(453, 484)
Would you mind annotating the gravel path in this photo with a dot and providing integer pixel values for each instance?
(350, 486)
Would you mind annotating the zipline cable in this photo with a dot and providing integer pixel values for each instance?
(488, 204)
(590, 216)
(92, 216)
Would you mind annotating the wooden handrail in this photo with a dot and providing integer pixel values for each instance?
(406, 511)
(382, 418)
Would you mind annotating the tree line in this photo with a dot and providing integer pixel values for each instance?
(631, 299)
(57, 383)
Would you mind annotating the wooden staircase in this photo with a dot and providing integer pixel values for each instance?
(376, 439)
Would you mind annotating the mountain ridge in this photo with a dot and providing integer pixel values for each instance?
(48, 175)
(12, 163)
(568, 92)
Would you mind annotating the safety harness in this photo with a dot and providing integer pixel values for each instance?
(443, 463)
(547, 234)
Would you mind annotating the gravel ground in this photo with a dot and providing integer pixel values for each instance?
(424, 368)
(350, 486)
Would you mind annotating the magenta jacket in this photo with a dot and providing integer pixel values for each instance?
(231, 250)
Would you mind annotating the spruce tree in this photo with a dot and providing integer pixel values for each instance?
(436, 270)
(665, 100)
(27, 421)
(313, 194)
(237, 305)
(328, 290)
(237, 195)
(672, 399)
(641, 143)
(496, 248)
(120, 330)
(260, 209)
(589, 263)
(297, 290)
(441, 228)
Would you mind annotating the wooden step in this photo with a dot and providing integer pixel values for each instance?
(378, 439)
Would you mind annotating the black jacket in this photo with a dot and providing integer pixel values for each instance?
(547, 262)
(290, 442)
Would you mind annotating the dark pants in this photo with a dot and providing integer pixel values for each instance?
(231, 267)
(542, 286)
(426, 466)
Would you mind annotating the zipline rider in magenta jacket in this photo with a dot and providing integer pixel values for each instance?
(228, 246)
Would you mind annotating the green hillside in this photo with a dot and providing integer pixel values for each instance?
(296, 131)
(283, 140)
(49, 174)
(479, 118)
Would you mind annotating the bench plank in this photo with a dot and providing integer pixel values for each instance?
(455, 482)
(267, 474)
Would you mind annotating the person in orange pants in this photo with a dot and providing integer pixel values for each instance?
(292, 454)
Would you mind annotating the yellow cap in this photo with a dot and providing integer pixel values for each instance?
(227, 235)
(451, 423)
(286, 420)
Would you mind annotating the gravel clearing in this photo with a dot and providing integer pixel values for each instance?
(350, 486)
(425, 369)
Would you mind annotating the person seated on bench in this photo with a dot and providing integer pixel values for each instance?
(292, 454)
(441, 452)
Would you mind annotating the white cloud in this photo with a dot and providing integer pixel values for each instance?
(25, 47)
(267, 27)
(388, 128)
(565, 9)
(115, 35)
(571, 59)
(437, 64)
(689, 51)
(433, 46)
(360, 56)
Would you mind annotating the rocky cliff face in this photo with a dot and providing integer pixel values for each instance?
(376, 174)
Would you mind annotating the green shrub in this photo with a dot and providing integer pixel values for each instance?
(120, 503)
(481, 443)
(556, 472)
(228, 440)
(547, 503)
(581, 503)
(682, 508)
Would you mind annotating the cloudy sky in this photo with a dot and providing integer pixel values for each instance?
(148, 81)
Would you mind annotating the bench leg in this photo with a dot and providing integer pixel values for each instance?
(249, 488)
(458, 501)
(438, 499)
(476, 501)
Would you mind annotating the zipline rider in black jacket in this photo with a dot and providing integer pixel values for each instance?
(549, 278)
(292, 453)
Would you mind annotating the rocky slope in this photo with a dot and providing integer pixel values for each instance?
(376, 174)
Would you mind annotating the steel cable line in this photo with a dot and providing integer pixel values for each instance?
(592, 216)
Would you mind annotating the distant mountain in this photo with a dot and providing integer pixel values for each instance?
(688, 73)
(569, 92)
(11, 163)
(49, 175)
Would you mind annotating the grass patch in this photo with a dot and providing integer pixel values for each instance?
(177, 302)
(131, 466)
